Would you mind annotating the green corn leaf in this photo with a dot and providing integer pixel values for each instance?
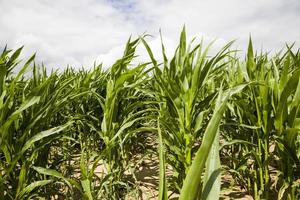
(26, 104)
(44, 134)
(192, 182)
(86, 185)
(212, 180)
(29, 188)
(56, 174)
(34, 139)
(163, 190)
(211, 189)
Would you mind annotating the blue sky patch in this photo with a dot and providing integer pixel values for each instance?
(123, 6)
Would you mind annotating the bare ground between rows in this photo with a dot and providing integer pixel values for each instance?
(146, 178)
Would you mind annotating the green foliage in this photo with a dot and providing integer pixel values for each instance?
(76, 134)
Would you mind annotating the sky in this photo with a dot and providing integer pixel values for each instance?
(80, 32)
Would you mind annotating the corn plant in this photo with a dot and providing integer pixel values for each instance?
(185, 85)
(264, 113)
(211, 114)
(22, 141)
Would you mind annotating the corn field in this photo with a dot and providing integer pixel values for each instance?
(209, 124)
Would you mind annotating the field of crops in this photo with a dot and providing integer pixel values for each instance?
(202, 126)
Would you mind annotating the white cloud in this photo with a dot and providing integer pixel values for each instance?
(79, 32)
